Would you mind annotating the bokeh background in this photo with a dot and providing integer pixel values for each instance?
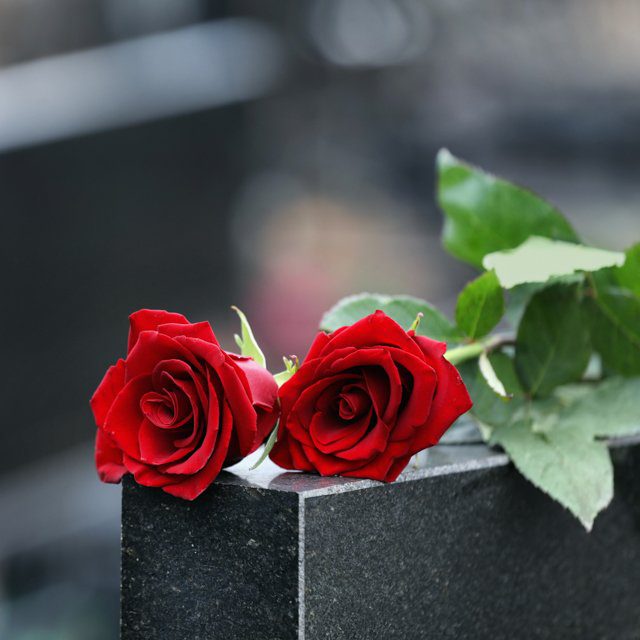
(192, 154)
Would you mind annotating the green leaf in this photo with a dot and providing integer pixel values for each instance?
(488, 407)
(403, 309)
(247, 343)
(628, 275)
(517, 300)
(282, 377)
(271, 440)
(608, 409)
(291, 365)
(490, 376)
(484, 213)
(505, 369)
(552, 344)
(480, 305)
(552, 440)
(539, 259)
(565, 463)
(518, 297)
(613, 317)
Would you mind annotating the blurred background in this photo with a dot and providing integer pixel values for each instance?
(192, 154)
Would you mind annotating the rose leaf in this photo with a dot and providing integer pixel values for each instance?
(608, 409)
(291, 366)
(271, 440)
(613, 317)
(484, 213)
(247, 343)
(518, 297)
(403, 309)
(552, 343)
(539, 259)
(490, 376)
(564, 462)
(489, 408)
(628, 275)
(480, 305)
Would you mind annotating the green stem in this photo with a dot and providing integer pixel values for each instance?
(466, 352)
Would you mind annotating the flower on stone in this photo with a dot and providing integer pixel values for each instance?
(179, 408)
(366, 398)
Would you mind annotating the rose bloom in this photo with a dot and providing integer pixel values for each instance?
(178, 408)
(367, 398)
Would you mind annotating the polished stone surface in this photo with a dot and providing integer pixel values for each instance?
(440, 460)
(222, 566)
(460, 547)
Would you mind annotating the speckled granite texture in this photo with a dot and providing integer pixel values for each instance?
(460, 548)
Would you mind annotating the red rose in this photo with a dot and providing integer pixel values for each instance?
(179, 408)
(366, 398)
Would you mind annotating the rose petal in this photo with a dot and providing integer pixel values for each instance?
(236, 392)
(374, 330)
(157, 446)
(280, 453)
(144, 474)
(330, 438)
(266, 421)
(190, 487)
(200, 456)
(377, 469)
(326, 464)
(264, 388)
(354, 401)
(197, 411)
(199, 330)
(312, 398)
(385, 395)
(451, 398)
(152, 348)
(328, 401)
(264, 394)
(397, 468)
(167, 410)
(124, 417)
(418, 405)
(431, 349)
(317, 346)
(108, 458)
(183, 377)
(149, 320)
(292, 388)
(107, 391)
(158, 409)
(373, 443)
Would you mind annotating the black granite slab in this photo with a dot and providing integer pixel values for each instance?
(461, 547)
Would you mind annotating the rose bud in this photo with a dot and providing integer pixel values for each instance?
(179, 408)
(366, 398)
